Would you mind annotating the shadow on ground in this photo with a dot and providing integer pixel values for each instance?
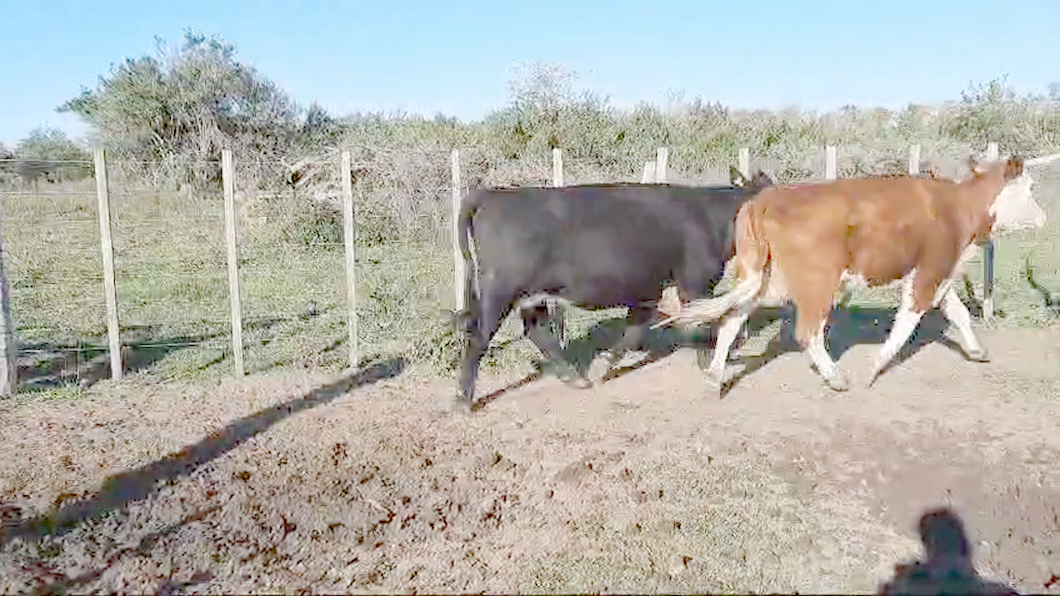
(45, 365)
(947, 566)
(856, 325)
(656, 344)
(122, 489)
(849, 326)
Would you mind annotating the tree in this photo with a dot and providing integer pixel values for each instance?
(49, 153)
(990, 112)
(183, 106)
(7, 164)
(542, 103)
(544, 87)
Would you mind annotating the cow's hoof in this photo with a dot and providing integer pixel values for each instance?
(877, 369)
(714, 383)
(838, 382)
(578, 382)
(461, 405)
(981, 355)
(713, 391)
(599, 369)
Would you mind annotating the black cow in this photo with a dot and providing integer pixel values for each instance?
(596, 246)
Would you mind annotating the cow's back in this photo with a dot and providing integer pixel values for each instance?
(604, 243)
(874, 227)
(708, 215)
(597, 245)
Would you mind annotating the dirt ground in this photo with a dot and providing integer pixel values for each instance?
(373, 484)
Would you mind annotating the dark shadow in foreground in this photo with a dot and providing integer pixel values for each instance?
(50, 364)
(120, 490)
(947, 566)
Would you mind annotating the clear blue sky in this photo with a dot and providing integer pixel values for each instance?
(456, 57)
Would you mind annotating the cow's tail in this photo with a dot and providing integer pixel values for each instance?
(752, 259)
(465, 230)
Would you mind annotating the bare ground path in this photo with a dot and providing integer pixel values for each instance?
(302, 483)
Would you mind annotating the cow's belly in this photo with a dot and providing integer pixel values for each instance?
(600, 289)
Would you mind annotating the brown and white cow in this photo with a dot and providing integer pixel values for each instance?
(803, 242)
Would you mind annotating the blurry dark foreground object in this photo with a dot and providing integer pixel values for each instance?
(948, 568)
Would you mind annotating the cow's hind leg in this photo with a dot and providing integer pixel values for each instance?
(557, 322)
(727, 331)
(959, 317)
(535, 318)
(812, 309)
(636, 323)
(830, 372)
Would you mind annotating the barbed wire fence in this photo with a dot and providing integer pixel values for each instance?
(326, 274)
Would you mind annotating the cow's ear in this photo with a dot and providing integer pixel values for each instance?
(736, 177)
(975, 165)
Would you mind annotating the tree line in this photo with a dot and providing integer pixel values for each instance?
(170, 114)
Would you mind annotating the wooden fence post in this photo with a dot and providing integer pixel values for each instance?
(228, 181)
(107, 247)
(8, 347)
(458, 258)
(557, 166)
(555, 310)
(744, 165)
(649, 173)
(914, 159)
(349, 231)
(830, 169)
(988, 256)
(662, 156)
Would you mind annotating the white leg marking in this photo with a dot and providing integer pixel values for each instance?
(959, 317)
(728, 329)
(826, 367)
(905, 322)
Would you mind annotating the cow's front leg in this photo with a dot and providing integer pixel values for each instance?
(959, 317)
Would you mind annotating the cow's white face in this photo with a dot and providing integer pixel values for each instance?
(1015, 207)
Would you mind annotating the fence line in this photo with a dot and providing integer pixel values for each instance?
(655, 171)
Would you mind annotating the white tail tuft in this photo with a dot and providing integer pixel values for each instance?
(709, 309)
